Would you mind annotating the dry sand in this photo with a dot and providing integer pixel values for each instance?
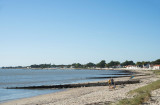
(85, 95)
(155, 98)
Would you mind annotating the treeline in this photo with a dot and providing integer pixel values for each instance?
(49, 66)
(101, 64)
(115, 64)
(10, 67)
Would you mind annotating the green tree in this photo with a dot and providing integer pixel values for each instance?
(41, 66)
(113, 64)
(156, 62)
(127, 63)
(77, 65)
(101, 64)
(139, 64)
(90, 64)
(143, 63)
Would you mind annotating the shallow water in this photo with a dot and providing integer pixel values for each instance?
(22, 77)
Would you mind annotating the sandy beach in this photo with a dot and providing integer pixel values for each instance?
(87, 95)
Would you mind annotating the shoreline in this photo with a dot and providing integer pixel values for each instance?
(36, 93)
(124, 73)
(77, 69)
(93, 94)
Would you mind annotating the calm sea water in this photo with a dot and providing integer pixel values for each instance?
(21, 77)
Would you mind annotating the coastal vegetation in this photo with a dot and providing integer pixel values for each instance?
(113, 64)
(157, 72)
(101, 64)
(127, 63)
(140, 95)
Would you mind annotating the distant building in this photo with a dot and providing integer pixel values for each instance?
(28, 67)
(146, 66)
(71, 67)
(118, 66)
(156, 67)
(132, 67)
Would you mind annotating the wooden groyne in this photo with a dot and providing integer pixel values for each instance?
(76, 85)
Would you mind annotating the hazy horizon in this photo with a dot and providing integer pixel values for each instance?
(81, 31)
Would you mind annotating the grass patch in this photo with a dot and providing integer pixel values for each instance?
(142, 94)
(157, 72)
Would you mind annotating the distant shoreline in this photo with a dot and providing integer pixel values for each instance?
(70, 68)
(142, 69)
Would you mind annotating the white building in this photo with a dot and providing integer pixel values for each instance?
(132, 67)
(156, 67)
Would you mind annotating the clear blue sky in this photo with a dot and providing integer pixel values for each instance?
(72, 31)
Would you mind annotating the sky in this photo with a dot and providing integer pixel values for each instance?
(78, 31)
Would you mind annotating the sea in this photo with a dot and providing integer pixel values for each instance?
(38, 77)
